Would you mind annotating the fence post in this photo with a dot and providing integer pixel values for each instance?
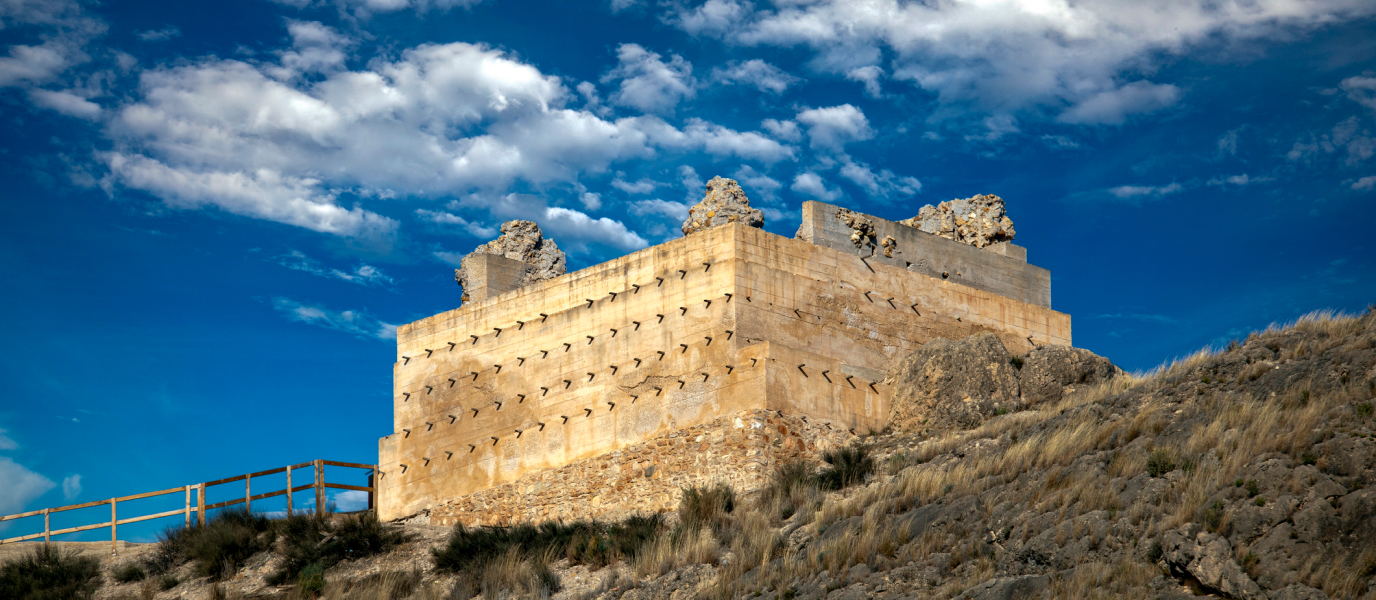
(248, 494)
(114, 522)
(319, 487)
(288, 490)
(200, 505)
(372, 487)
(187, 511)
(46, 528)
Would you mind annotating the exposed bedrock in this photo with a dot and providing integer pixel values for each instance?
(725, 202)
(521, 241)
(959, 384)
(979, 220)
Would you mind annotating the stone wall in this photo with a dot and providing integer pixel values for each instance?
(645, 478)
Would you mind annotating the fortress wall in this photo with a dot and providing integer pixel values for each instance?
(1002, 270)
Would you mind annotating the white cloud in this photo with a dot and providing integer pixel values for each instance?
(6, 443)
(648, 83)
(591, 200)
(364, 9)
(757, 184)
(436, 121)
(882, 185)
(995, 127)
(357, 323)
(1238, 180)
(692, 184)
(576, 230)
(1112, 107)
(473, 228)
(1365, 183)
(21, 487)
(677, 211)
(71, 487)
(1347, 135)
(159, 35)
(833, 127)
(787, 131)
(316, 48)
(66, 103)
(644, 186)
(869, 76)
(1361, 90)
(1141, 191)
(755, 72)
(811, 184)
(350, 500)
(1007, 55)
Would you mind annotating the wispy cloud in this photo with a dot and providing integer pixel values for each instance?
(21, 487)
(6, 443)
(71, 487)
(1144, 191)
(361, 274)
(1239, 180)
(159, 35)
(356, 322)
(1365, 183)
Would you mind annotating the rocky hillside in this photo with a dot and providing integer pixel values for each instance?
(1240, 473)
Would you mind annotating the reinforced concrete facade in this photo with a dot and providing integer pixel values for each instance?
(723, 327)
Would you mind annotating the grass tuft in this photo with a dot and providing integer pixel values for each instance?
(47, 573)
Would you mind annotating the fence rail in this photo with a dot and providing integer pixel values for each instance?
(199, 507)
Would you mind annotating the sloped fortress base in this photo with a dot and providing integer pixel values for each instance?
(725, 322)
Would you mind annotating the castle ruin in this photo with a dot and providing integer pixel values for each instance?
(706, 358)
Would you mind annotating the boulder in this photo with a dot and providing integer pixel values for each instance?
(979, 220)
(725, 202)
(958, 384)
(521, 241)
(1051, 371)
(1209, 559)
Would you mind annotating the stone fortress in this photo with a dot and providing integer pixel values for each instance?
(706, 358)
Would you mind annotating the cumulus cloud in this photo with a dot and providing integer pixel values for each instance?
(833, 127)
(66, 103)
(262, 141)
(757, 184)
(22, 486)
(757, 73)
(811, 184)
(1007, 56)
(868, 75)
(1365, 183)
(1361, 89)
(649, 84)
(356, 323)
(1127, 192)
(578, 231)
(71, 487)
(692, 183)
(364, 9)
(787, 131)
(883, 185)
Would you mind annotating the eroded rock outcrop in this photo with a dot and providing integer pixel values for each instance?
(956, 384)
(1209, 559)
(1052, 371)
(979, 220)
(725, 202)
(520, 241)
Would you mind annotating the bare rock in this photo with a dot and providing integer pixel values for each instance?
(725, 202)
(861, 227)
(1209, 559)
(1298, 592)
(979, 220)
(520, 241)
(1051, 371)
(953, 384)
(1008, 588)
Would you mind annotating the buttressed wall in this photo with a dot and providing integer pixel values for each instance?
(726, 322)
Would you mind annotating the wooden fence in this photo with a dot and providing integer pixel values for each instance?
(317, 477)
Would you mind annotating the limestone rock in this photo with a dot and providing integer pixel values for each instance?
(953, 384)
(979, 220)
(861, 229)
(1051, 371)
(1208, 558)
(521, 241)
(725, 202)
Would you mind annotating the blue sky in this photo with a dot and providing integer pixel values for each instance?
(215, 214)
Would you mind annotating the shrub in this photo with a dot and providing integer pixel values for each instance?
(128, 572)
(1252, 488)
(1213, 515)
(168, 581)
(705, 506)
(1160, 462)
(47, 573)
(1155, 552)
(324, 540)
(311, 580)
(1364, 409)
(218, 548)
(846, 467)
(788, 487)
(1308, 458)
